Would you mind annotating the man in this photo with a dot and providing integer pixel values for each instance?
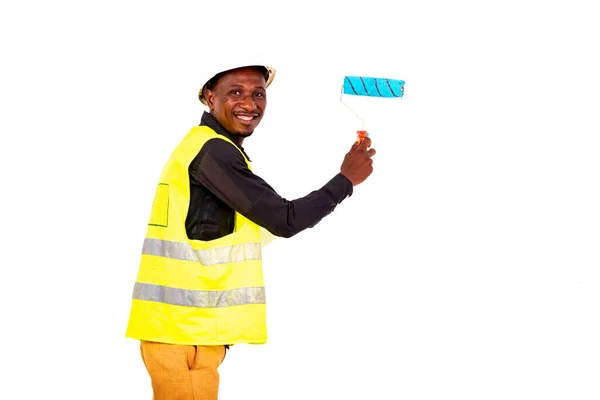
(200, 286)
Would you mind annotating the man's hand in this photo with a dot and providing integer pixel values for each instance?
(357, 164)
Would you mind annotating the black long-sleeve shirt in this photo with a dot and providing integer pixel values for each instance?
(221, 182)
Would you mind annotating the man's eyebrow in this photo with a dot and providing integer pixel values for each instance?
(240, 85)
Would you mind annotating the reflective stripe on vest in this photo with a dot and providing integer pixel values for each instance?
(199, 298)
(214, 256)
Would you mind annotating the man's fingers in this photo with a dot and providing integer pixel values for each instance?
(365, 144)
(362, 145)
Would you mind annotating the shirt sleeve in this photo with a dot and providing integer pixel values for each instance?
(222, 169)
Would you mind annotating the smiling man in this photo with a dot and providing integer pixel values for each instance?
(238, 99)
(200, 286)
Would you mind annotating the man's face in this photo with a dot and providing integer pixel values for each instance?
(238, 100)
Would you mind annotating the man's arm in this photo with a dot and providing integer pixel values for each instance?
(221, 168)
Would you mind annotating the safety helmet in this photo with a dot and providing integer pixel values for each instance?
(208, 76)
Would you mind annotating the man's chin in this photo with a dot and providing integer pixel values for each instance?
(244, 133)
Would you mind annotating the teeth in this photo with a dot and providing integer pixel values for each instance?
(244, 117)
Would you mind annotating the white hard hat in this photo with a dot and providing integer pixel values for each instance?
(270, 70)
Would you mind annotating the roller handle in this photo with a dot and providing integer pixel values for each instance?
(360, 135)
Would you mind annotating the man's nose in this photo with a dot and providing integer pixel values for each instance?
(248, 103)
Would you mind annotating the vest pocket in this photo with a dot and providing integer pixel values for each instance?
(160, 207)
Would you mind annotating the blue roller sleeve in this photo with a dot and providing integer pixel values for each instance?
(374, 87)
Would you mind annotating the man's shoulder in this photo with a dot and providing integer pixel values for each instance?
(220, 144)
(219, 151)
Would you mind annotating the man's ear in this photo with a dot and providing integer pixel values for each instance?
(210, 98)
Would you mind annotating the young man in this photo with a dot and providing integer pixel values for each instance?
(200, 286)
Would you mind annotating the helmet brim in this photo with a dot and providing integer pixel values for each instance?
(270, 78)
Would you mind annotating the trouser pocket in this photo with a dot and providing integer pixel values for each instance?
(206, 356)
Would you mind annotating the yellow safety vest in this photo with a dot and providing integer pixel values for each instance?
(196, 292)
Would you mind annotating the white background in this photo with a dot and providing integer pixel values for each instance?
(466, 267)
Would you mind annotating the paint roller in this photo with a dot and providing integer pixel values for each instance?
(370, 87)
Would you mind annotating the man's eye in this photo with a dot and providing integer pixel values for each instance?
(235, 92)
(259, 94)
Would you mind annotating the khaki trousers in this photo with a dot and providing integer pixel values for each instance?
(183, 372)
